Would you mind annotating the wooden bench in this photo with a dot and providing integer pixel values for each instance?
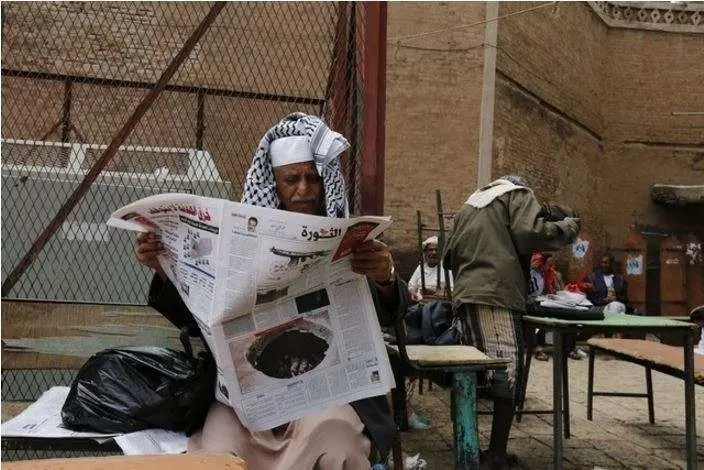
(463, 363)
(649, 354)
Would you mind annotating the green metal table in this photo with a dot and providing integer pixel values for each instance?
(614, 324)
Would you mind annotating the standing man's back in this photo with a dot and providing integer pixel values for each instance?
(488, 244)
(498, 227)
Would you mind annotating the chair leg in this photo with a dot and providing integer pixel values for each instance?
(397, 451)
(590, 384)
(398, 394)
(464, 416)
(651, 401)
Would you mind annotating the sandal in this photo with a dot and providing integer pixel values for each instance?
(542, 356)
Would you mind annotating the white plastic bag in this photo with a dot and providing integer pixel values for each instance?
(615, 308)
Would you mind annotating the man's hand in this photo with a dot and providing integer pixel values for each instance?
(415, 295)
(558, 211)
(148, 247)
(373, 259)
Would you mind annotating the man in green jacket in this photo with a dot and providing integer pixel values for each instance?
(495, 232)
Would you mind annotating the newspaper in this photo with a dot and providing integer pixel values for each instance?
(42, 419)
(293, 330)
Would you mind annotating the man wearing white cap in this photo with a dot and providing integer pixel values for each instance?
(428, 282)
(296, 168)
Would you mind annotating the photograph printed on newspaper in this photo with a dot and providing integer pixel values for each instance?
(292, 328)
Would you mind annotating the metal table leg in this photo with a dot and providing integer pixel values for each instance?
(649, 392)
(689, 409)
(590, 384)
(558, 338)
(565, 389)
(464, 416)
(530, 347)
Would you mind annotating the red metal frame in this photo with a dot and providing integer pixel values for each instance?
(373, 71)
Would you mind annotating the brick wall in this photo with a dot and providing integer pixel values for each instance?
(651, 74)
(434, 89)
(632, 169)
(136, 40)
(585, 111)
(548, 119)
(558, 158)
(556, 52)
(19, 96)
(252, 47)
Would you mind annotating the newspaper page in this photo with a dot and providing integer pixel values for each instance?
(293, 330)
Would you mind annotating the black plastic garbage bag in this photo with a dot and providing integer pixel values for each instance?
(133, 388)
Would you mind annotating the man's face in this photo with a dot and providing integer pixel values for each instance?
(431, 254)
(549, 262)
(606, 265)
(299, 187)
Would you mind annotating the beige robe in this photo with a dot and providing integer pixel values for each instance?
(327, 440)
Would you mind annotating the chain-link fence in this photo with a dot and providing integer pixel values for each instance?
(73, 73)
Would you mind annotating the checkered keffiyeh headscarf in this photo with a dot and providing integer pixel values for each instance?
(326, 145)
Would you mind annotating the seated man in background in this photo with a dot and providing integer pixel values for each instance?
(431, 262)
(546, 279)
(606, 285)
(536, 287)
(554, 281)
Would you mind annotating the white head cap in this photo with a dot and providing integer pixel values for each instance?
(289, 150)
(429, 240)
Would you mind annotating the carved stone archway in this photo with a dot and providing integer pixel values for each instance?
(676, 17)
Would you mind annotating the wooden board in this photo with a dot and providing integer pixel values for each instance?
(200, 460)
(45, 335)
(438, 356)
(657, 353)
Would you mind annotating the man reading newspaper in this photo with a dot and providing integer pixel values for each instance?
(296, 169)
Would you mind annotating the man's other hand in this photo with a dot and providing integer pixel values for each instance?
(373, 259)
(148, 247)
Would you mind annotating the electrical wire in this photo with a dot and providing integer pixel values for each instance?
(398, 39)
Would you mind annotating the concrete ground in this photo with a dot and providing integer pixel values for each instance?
(618, 437)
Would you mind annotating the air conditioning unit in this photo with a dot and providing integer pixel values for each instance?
(85, 261)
